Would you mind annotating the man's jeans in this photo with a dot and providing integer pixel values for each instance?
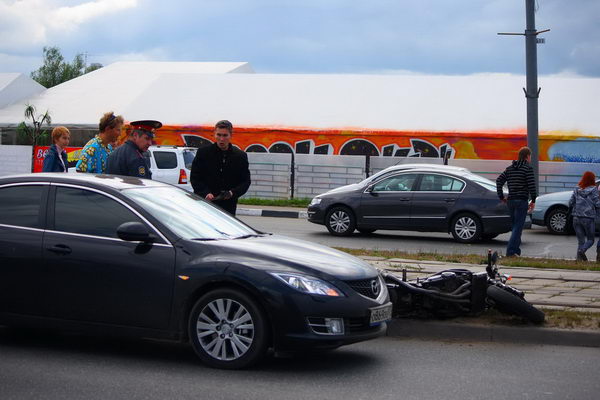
(584, 229)
(518, 212)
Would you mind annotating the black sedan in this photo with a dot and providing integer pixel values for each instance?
(417, 199)
(108, 253)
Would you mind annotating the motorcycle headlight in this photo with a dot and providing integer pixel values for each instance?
(315, 201)
(308, 284)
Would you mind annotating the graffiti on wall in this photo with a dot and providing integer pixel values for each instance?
(486, 145)
(353, 142)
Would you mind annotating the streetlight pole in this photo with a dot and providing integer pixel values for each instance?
(532, 93)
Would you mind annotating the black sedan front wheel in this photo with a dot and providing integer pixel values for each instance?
(228, 330)
(340, 221)
(466, 228)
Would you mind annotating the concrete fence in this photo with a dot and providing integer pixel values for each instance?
(281, 176)
(15, 159)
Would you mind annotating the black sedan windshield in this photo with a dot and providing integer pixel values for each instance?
(187, 215)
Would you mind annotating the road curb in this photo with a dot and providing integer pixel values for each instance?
(442, 330)
(257, 212)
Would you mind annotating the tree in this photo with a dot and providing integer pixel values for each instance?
(56, 70)
(34, 133)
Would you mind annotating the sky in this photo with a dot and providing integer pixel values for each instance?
(448, 37)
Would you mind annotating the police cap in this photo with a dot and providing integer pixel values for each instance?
(147, 126)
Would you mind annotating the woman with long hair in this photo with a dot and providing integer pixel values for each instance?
(584, 202)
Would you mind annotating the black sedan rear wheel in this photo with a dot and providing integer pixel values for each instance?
(340, 221)
(228, 329)
(466, 228)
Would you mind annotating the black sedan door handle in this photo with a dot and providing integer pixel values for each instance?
(404, 199)
(60, 249)
(449, 200)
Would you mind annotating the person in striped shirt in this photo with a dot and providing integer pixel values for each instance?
(520, 179)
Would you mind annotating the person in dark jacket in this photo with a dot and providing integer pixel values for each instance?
(585, 202)
(56, 158)
(128, 159)
(520, 179)
(220, 172)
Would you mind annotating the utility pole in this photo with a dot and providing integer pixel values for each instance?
(532, 93)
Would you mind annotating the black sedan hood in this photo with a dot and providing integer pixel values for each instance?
(280, 253)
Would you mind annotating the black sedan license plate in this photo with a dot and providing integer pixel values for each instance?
(380, 314)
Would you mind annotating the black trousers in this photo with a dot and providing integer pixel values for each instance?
(228, 205)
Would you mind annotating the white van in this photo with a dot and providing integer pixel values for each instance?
(172, 164)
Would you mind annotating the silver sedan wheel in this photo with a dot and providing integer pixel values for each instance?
(225, 329)
(465, 228)
(558, 222)
(339, 221)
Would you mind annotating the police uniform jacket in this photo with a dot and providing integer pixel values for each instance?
(128, 160)
(215, 170)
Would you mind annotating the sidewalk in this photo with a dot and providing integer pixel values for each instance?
(556, 288)
(272, 211)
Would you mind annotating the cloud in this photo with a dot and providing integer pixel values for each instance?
(66, 17)
(29, 23)
(310, 36)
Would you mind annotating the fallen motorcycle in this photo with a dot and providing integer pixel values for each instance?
(457, 292)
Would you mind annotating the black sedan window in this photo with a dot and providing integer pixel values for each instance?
(90, 213)
(397, 183)
(20, 205)
(187, 215)
(440, 183)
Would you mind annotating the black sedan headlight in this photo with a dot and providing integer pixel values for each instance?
(315, 201)
(308, 284)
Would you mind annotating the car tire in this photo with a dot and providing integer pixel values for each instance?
(466, 228)
(340, 221)
(228, 329)
(558, 221)
(365, 231)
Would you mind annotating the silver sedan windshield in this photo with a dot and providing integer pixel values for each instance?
(187, 215)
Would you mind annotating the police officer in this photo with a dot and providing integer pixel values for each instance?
(129, 159)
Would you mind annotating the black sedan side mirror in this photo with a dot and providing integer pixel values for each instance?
(135, 232)
(369, 188)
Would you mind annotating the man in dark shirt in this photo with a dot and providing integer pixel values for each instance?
(220, 171)
(521, 187)
(129, 158)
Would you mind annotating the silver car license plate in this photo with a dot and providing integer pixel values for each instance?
(381, 314)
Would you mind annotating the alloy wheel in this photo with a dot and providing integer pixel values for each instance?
(558, 221)
(225, 329)
(465, 228)
(339, 221)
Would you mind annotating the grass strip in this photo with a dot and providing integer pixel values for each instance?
(525, 262)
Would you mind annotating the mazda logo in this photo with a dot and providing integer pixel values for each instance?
(375, 287)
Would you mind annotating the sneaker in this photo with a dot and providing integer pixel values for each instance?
(581, 256)
(598, 256)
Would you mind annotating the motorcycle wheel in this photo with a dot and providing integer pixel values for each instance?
(512, 304)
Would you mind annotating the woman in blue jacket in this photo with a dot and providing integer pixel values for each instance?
(56, 158)
(584, 202)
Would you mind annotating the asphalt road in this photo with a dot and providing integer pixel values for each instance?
(35, 365)
(537, 242)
